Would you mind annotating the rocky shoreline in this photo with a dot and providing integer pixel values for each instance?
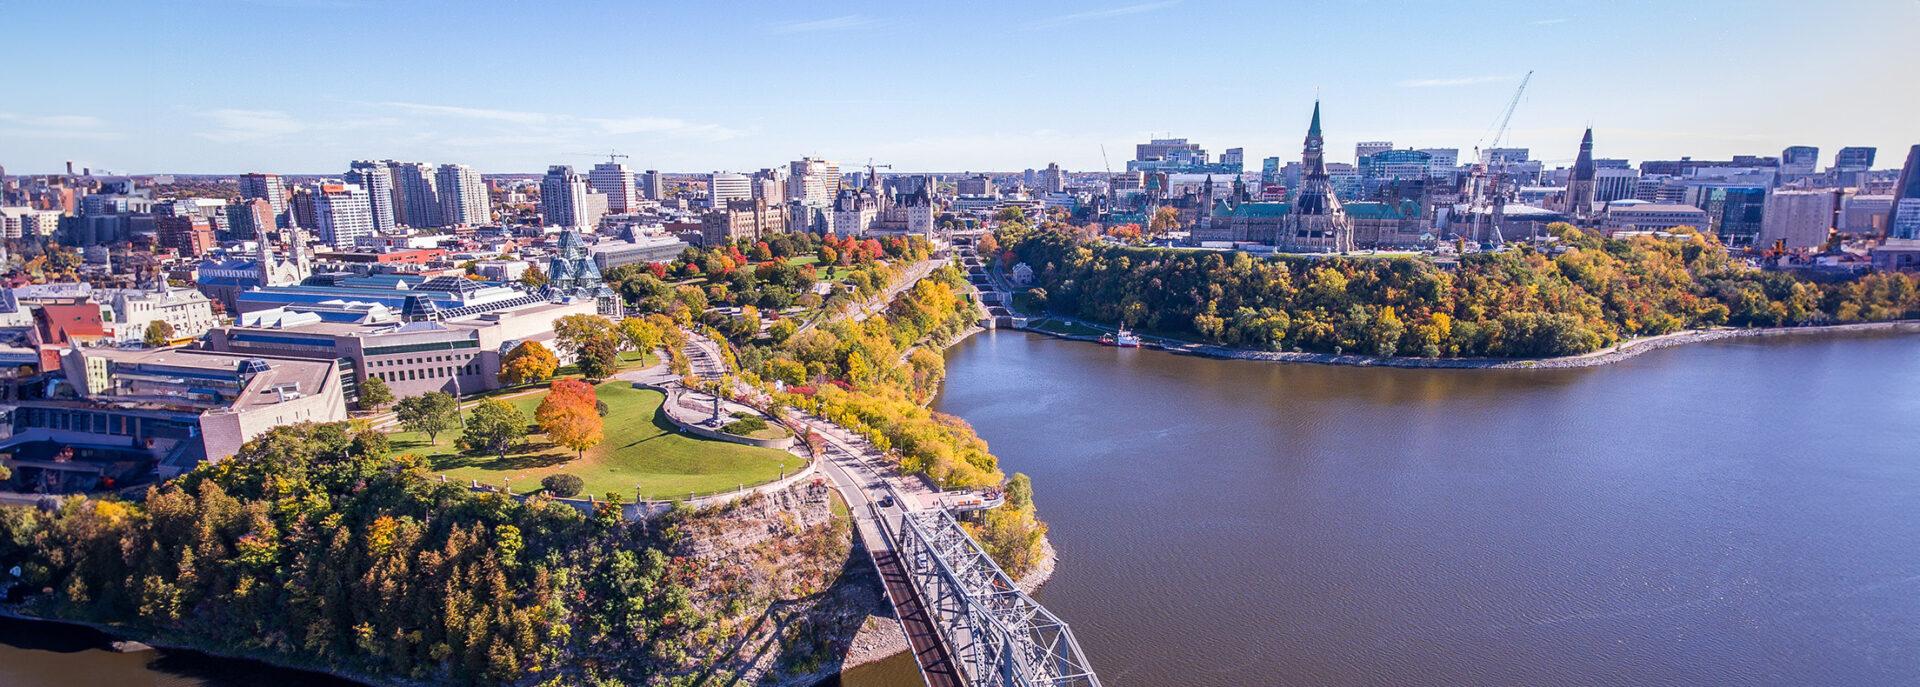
(1605, 356)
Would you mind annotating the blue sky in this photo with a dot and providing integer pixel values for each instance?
(306, 85)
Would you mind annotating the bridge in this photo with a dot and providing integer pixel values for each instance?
(966, 621)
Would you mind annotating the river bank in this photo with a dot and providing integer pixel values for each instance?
(1605, 356)
(115, 639)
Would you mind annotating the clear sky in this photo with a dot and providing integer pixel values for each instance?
(303, 86)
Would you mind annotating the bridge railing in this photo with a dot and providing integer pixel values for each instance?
(999, 634)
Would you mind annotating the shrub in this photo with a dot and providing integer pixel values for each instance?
(563, 485)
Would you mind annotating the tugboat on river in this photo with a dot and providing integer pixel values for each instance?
(1122, 338)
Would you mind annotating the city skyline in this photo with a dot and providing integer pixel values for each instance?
(271, 85)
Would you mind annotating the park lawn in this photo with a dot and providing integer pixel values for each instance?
(627, 360)
(642, 453)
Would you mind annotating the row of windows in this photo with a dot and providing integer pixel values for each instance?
(428, 373)
(418, 361)
(423, 347)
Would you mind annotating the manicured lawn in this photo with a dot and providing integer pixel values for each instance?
(642, 451)
(627, 360)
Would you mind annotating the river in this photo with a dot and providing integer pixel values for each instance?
(1742, 512)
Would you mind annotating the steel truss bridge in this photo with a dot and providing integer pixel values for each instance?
(992, 633)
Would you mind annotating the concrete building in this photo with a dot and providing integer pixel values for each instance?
(1614, 183)
(191, 236)
(128, 312)
(1641, 216)
(109, 417)
(23, 222)
(1366, 149)
(1799, 219)
(416, 194)
(377, 179)
(342, 213)
(647, 249)
(616, 181)
(563, 198)
(463, 196)
(726, 187)
(1444, 162)
(1864, 215)
(813, 182)
(650, 186)
(250, 219)
(1799, 161)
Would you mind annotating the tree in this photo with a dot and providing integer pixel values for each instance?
(599, 359)
(562, 485)
(159, 333)
(1165, 219)
(495, 428)
(375, 393)
(569, 418)
(639, 334)
(534, 277)
(529, 362)
(432, 413)
(594, 341)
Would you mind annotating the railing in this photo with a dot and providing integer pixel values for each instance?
(1000, 636)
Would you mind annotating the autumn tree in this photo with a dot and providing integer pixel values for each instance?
(594, 342)
(159, 333)
(1165, 220)
(430, 413)
(529, 362)
(568, 415)
(534, 278)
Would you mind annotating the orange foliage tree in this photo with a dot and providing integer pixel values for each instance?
(569, 416)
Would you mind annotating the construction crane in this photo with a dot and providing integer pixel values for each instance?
(1488, 176)
(613, 156)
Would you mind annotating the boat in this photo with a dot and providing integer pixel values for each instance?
(1122, 338)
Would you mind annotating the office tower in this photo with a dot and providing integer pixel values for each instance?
(1234, 161)
(417, 197)
(191, 235)
(1614, 183)
(1054, 179)
(1365, 149)
(813, 182)
(1903, 219)
(1270, 171)
(1854, 159)
(974, 185)
(616, 181)
(250, 219)
(726, 186)
(563, 197)
(650, 187)
(1799, 161)
(1799, 219)
(770, 184)
(377, 181)
(341, 213)
(1443, 160)
(266, 187)
(1580, 191)
(463, 196)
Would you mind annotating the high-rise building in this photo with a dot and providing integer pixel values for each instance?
(250, 219)
(1054, 180)
(1854, 159)
(342, 213)
(191, 235)
(1799, 219)
(974, 185)
(723, 187)
(813, 182)
(1444, 161)
(377, 180)
(650, 187)
(1903, 219)
(266, 187)
(563, 198)
(1366, 149)
(417, 197)
(463, 196)
(1614, 183)
(770, 185)
(1234, 161)
(1580, 190)
(616, 181)
(1799, 161)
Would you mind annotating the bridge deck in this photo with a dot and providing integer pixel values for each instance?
(924, 638)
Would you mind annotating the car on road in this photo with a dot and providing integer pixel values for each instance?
(886, 502)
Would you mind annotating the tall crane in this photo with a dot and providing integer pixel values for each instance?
(873, 182)
(1488, 175)
(613, 156)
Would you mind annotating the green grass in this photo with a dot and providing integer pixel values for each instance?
(642, 452)
(1068, 328)
(627, 360)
